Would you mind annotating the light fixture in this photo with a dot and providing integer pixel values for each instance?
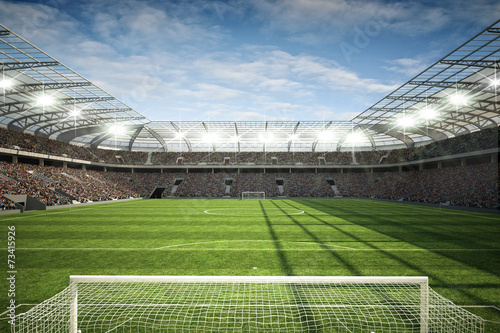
(406, 121)
(428, 113)
(325, 136)
(5, 83)
(75, 113)
(293, 137)
(266, 137)
(117, 129)
(495, 82)
(235, 139)
(45, 100)
(210, 137)
(179, 136)
(355, 137)
(458, 99)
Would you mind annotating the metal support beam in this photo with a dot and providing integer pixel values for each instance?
(315, 142)
(469, 86)
(24, 65)
(476, 63)
(157, 137)
(207, 131)
(34, 87)
(188, 143)
(237, 136)
(293, 133)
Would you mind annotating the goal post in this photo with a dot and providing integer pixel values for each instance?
(253, 195)
(247, 304)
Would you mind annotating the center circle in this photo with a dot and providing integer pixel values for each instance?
(237, 212)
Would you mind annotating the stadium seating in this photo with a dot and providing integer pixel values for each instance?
(476, 141)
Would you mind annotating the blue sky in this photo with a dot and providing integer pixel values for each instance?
(248, 60)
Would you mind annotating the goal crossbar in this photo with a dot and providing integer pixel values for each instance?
(253, 195)
(248, 279)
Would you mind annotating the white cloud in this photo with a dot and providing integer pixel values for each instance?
(317, 21)
(127, 52)
(408, 66)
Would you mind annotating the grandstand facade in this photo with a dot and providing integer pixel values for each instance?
(433, 140)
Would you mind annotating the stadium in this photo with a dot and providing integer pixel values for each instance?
(386, 222)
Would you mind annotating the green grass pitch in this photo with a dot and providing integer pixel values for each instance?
(459, 251)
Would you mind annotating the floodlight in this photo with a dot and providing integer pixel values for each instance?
(5, 83)
(355, 137)
(495, 82)
(293, 137)
(75, 113)
(458, 99)
(210, 137)
(45, 100)
(428, 113)
(266, 137)
(117, 129)
(180, 136)
(235, 139)
(406, 121)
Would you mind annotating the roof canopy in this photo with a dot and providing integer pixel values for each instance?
(456, 95)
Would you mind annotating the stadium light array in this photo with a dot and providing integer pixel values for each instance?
(180, 136)
(293, 137)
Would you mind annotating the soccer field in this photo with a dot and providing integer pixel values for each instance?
(459, 251)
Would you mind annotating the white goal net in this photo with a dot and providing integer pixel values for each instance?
(247, 304)
(253, 195)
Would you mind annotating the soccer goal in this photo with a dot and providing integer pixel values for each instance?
(253, 195)
(247, 304)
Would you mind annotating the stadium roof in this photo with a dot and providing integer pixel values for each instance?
(455, 96)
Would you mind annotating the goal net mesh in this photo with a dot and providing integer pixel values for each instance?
(245, 307)
(253, 195)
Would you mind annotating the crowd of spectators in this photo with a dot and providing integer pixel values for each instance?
(57, 186)
(470, 185)
(463, 185)
(475, 141)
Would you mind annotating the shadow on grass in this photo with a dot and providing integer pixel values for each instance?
(279, 250)
(437, 281)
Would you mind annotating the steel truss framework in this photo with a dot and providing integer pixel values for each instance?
(83, 112)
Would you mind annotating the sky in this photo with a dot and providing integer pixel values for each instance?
(248, 60)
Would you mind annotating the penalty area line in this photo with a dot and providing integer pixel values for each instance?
(241, 249)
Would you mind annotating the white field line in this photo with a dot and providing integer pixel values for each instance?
(242, 249)
(250, 240)
(447, 212)
(61, 211)
(480, 306)
(19, 305)
(209, 212)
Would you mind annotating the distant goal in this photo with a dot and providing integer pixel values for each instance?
(253, 195)
(122, 304)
